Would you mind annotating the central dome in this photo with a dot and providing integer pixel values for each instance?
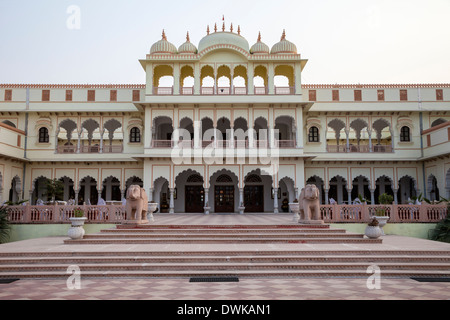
(223, 38)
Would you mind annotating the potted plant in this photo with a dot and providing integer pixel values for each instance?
(5, 227)
(381, 212)
(295, 208)
(152, 207)
(373, 230)
(76, 231)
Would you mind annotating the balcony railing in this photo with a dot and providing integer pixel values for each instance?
(359, 149)
(261, 144)
(209, 91)
(90, 149)
(52, 214)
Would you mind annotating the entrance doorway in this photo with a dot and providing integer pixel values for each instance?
(194, 199)
(224, 199)
(254, 198)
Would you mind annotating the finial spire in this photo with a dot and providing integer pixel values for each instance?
(239, 30)
(231, 28)
(223, 26)
(283, 36)
(259, 37)
(207, 30)
(215, 27)
(164, 35)
(187, 37)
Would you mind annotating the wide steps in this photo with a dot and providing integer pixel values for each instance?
(226, 273)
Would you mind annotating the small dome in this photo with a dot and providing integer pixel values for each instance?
(284, 46)
(187, 47)
(163, 46)
(260, 47)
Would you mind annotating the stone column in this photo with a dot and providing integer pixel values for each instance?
(370, 140)
(251, 75)
(347, 133)
(241, 199)
(207, 205)
(79, 141)
(150, 194)
(372, 196)
(176, 78)
(395, 196)
(326, 196)
(56, 143)
(101, 140)
(349, 193)
(76, 196)
(275, 200)
(122, 194)
(172, 201)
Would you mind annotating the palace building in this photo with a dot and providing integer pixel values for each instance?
(244, 107)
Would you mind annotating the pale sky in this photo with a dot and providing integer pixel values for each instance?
(346, 41)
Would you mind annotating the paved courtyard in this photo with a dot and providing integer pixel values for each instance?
(245, 289)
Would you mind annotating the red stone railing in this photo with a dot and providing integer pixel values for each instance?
(329, 213)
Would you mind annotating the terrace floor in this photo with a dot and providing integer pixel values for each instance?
(318, 288)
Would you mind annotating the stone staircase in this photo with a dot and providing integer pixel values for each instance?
(225, 253)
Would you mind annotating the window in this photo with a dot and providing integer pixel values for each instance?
(358, 95)
(136, 95)
(43, 135)
(91, 95)
(8, 95)
(45, 95)
(135, 135)
(380, 95)
(335, 95)
(68, 95)
(405, 134)
(439, 95)
(403, 95)
(312, 95)
(113, 95)
(313, 135)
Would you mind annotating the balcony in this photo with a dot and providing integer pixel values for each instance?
(90, 149)
(213, 91)
(359, 149)
(224, 144)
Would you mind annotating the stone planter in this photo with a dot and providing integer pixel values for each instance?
(152, 206)
(295, 208)
(76, 231)
(373, 232)
(207, 209)
(241, 210)
(382, 220)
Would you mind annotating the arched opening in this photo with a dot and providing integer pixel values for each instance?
(111, 189)
(286, 131)
(9, 123)
(383, 185)
(334, 143)
(65, 144)
(356, 135)
(286, 194)
(112, 126)
(88, 193)
(224, 189)
(240, 80)
(190, 192)
(360, 188)
(163, 80)
(40, 191)
(261, 80)
(338, 190)
(68, 189)
(207, 80)
(284, 79)
(162, 194)
(187, 80)
(257, 192)
(240, 132)
(383, 134)
(224, 127)
(261, 130)
(406, 189)
(16, 190)
(433, 189)
(93, 146)
(438, 122)
(163, 132)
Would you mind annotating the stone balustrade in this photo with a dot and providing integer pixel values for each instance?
(401, 213)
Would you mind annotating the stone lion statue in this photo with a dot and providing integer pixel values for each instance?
(137, 203)
(309, 203)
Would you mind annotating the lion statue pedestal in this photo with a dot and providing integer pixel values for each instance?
(310, 206)
(137, 206)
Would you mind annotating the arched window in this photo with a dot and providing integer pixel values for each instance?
(313, 135)
(405, 134)
(43, 135)
(135, 135)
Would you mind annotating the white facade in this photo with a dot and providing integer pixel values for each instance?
(348, 139)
